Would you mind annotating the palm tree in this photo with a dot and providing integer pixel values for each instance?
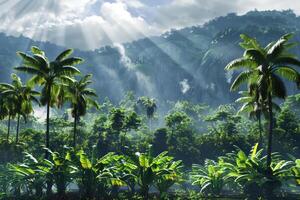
(80, 97)
(265, 66)
(20, 97)
(255, 107)
(150, 106)
(49, 74)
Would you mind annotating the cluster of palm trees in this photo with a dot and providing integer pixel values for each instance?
(57, 84)
(263, 68)
(16, 101)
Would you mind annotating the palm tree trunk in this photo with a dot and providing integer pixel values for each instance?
(75, 127)
(47, 129)
(48, 122)
(260, 130)
(270, 136)
(18, 126)
(150, 124)
(49, 181)
(8, 127)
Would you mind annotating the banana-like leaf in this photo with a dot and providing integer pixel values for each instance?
(64, 55)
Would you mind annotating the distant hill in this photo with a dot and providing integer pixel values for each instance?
(180, 64)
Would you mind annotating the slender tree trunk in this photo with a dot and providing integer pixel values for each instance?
(260, 130)
(150, 124)
(270, 136)
(48, 123)
(18, 126)
(47, 129)
(49, 181)
(8, 127)
(75, 127)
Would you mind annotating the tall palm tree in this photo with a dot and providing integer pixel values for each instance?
(21, 96)
(255, 107)
(49, 74)
(265, 66)
(80, 97)
(150, 106)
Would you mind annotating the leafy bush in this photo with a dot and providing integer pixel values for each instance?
(252, 174)
(211, 177)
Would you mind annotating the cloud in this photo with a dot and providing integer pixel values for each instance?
(145, 84)
(185, 86)
(90, 24)
(124, 59)
(78, 23)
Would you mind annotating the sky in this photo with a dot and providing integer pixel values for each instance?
(90, 24)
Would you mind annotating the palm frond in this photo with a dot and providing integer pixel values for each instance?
(35, 80)
(246, 108)
(37, 51)
(68, 79)
(287, 72)
(30, 70)
(89, 92)
(93, 103)
(68, 70)
(249, 42)
(287, 60)
(6, 85)
(244, 99)
(278, 87)
(256, 55)
(28, 60)
(241, 78)
(71, 61)
(241, 63)
(279, 46)
(43, 62)
(64, 55)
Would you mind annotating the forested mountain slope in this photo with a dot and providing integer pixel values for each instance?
(180, 64)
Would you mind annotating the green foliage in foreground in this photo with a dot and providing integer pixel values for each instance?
(96, 178)
(248, 174)
(114, 175)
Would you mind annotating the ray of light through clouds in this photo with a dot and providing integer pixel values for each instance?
(90, 24)
(143, 80)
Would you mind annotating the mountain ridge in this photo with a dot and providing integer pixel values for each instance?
(185, 64)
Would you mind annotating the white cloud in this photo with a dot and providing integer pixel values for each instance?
(124, 59)
(185, 86)
(77, 23)
(89, 24)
